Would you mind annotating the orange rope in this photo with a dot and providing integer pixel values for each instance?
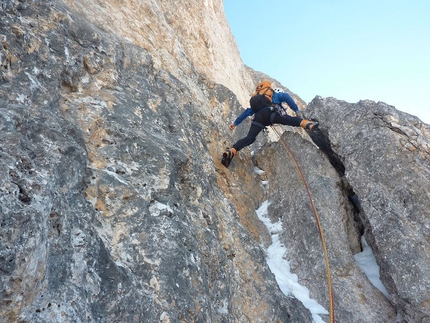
(330, 288)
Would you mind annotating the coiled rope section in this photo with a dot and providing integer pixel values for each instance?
(327, 264)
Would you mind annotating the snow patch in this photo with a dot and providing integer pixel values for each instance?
(259, 171)
(288, 282)
(367, 262)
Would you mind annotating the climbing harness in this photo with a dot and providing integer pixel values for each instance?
(330, 288)
(276, 109)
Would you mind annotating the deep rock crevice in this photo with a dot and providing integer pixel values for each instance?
(321, 138)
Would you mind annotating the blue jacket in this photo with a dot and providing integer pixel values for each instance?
(277, 99)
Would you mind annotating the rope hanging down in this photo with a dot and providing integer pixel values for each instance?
(330, 289)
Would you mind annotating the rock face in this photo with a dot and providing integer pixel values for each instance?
(111, 209)
(180, 36)
(386, 159)
(290, 203)
(114, 206)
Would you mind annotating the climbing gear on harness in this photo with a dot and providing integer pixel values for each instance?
(278, 108)
(308, 124)
(275, 109)
(277, 90)
(227, 156)
(327, 263)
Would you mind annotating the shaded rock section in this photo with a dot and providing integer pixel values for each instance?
(386, 155)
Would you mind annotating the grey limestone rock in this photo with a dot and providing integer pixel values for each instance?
(386, 158)
(114, 206)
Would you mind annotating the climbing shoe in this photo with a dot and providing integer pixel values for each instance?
(308, 124)
(227, 156)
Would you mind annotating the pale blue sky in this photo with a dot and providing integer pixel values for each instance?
(348, 49)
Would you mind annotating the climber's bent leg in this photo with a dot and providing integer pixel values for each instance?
(253, 132)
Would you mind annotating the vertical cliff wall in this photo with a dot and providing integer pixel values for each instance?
(179, 35)
(110, 203)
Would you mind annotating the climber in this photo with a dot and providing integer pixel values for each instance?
(267, 107)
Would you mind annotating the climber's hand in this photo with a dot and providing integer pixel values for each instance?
(232, 126)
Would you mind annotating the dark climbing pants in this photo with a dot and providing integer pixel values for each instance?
(263, 117)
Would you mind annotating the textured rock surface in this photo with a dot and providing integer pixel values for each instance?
(180, 36)
(386, 159)
(356, 300)
(111, 209)
(114, 205)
